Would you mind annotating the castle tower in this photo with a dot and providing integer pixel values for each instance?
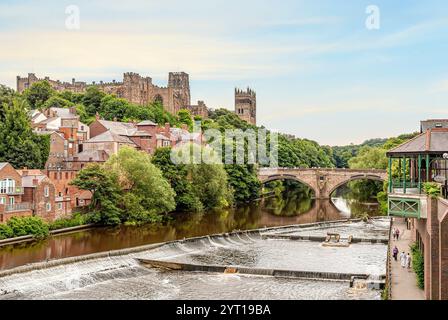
(179, 82)
(246, 105)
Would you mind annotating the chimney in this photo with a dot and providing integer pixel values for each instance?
(97, 116)
(167, 128)
(25, 172)
(72, 110)
(35, 182)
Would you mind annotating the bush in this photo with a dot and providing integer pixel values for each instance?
(5, 232)
(418, 265)
(24, 226)
(76, 220)
(432, 189)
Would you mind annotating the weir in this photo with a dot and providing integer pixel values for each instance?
(236, 265)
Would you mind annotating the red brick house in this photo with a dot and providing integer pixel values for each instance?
(11, 194)
(40, 191)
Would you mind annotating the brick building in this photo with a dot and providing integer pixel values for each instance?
(11, 192)
(40, 192)
(424, 159)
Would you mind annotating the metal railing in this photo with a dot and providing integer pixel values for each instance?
(17, 207)
(11, 190)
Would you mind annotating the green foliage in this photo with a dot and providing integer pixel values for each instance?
(92, 100)
(38, 94)
(244, 182)
(19, 145)
(24, 226)
(184, 117)
(418, 265)
(56, 101)
(5, 231)
(369, 158)
(75, 220)
(145, 193)
(176, 175)
(105, 193)
(432, 189)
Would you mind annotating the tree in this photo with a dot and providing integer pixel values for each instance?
(369, 158)
(184, 117)
(6, 96)
(176, 174)
(38, 94)
(105, 193)
(243, 181)
(92, 100)
(19, 145)
(145, 192)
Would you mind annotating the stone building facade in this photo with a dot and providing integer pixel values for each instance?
(134, 88)
(246, 105)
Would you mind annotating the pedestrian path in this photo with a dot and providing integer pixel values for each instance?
(404, 281)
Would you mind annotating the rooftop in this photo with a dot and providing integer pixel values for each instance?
(431, 141)
(109, 136)
(121, 128)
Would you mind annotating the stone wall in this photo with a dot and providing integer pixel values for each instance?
(134, 88)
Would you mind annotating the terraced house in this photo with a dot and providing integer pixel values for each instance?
(26, 193)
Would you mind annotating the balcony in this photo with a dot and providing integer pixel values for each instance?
(17, 207)
(12, 191)
(407, 205)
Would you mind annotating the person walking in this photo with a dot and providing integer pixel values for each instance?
(403, 259)
(397, 233)
(395, 253)
(394, 233)
(408, 261)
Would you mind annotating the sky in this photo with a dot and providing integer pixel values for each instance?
(319, 71)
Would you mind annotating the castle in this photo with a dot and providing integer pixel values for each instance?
(134, 88)
(140, 90)
(246, 105)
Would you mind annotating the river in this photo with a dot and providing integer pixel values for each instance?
(292, 207)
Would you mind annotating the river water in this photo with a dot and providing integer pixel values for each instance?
(288, 209)
(122, 277)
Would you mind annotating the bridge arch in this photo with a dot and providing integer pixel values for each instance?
(355, 178)
(287, 177)
(321, 180)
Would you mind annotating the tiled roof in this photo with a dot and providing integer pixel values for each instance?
(27, 181)
(110, 136)
(93, 155)
(63, 112)
(141, 133)
(121, 128)
(3, 164)
(146, 123)
(160, 136)
(431, 141)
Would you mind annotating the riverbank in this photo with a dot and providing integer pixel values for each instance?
(403, 281)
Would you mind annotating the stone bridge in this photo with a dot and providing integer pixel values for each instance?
(322, 181)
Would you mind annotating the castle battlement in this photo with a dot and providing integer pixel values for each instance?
(133, 87)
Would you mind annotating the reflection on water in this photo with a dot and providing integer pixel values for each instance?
(288, 207)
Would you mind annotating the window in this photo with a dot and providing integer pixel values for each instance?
(47, 191)
(2, 200)
(60, 194)
(59, 205)
(12, 200)
(439, 125)
(7, 185)
(48, 206)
